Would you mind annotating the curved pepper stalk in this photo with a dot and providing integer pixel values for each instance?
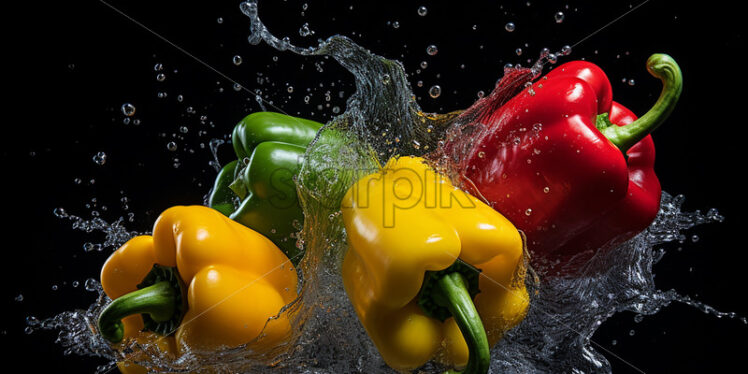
(450, 293)
(159, 299)
(667, 70)
(415, 244)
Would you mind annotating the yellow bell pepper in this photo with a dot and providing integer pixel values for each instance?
(201, 282)
(431, 271)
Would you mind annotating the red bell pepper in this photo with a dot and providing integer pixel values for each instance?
(552, 162)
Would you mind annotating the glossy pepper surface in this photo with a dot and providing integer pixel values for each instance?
(429, 266)
(200, 282)
(568, 166)
(257, 189)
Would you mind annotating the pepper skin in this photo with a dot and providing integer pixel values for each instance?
(407, 223)
(552, 162)
(269, 149)
(202, 282)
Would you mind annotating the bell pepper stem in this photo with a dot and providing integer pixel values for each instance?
(158, 300)
(666, 69)
(452, 290)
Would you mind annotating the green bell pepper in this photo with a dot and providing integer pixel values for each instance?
(258, 190)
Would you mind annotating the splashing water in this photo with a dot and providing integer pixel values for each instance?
(382, 120)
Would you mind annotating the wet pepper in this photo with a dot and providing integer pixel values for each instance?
(200, 282)
(431, 271)
(570, 167)
(257, 190)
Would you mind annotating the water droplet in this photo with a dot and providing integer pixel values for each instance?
(305, 31)
(385, 79)
(480, 94)
(518, 51)
(90, 284)
(237, 60)
(19, 298)
(632, 332)
(432, 50)
(32, 321)
(422, 11)
(552, 58)
(566, 50)
(559, 17)
(546, 189)
(528, 212)
(481, 154)
(158, 67)
(219, 20)
(631, 82)
(424, 64)
(54, 287)
(509, 26)
(183, 129)
(694, 238)
(396, 25)
(161, 77)
(435, 91)
(60, 213)
(638, 318)
(172, 146)
(237, 87)
(99, 158)
(128, 109)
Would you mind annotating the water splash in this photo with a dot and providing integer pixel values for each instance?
(382, 119)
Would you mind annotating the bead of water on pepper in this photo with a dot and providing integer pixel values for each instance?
(422, 11)
(161, 77)
(237, 60)
(432, 50)
(510, 27)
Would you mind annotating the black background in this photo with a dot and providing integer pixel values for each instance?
(73, 64)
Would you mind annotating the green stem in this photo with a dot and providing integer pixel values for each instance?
(451, 290)
(666, 69)
(159, 300)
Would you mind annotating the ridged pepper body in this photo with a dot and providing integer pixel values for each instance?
(559, 161)
(258, 190)
(408, 220)
(233, 278)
